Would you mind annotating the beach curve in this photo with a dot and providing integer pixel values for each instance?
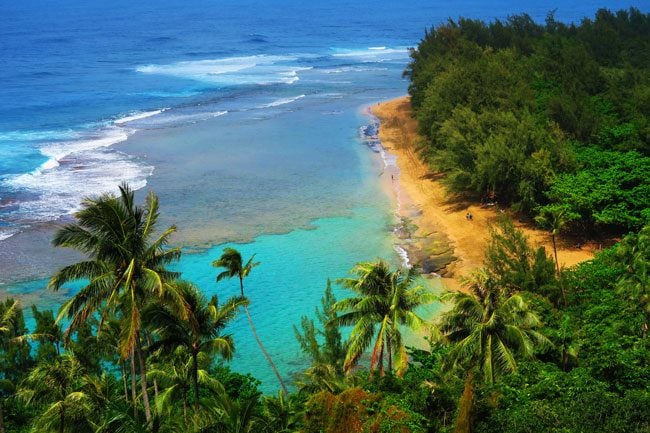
(433, 210)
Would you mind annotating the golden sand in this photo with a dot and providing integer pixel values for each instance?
(444, 213)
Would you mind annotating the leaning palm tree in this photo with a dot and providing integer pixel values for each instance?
(487, 327)
(124, 270)
(198, 328)
(385, 299)
(234, 266)
(61, 388)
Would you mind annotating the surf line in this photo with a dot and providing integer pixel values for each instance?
(370, 137)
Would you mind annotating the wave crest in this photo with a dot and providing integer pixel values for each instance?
(231, 71)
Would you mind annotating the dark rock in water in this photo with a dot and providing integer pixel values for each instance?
(432, 253)
(369, 136)
(436, 264)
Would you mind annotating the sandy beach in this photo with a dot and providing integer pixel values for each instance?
(423, 200)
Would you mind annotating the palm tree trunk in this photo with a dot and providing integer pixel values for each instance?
(390, 356)
(195, 380)
(143, 378)
(381, 360)
(266, 354)
(557, 268)
(126, 388)
(155, 381)
(259, 342)
(464, 419)
(155, 389)
(133, 385)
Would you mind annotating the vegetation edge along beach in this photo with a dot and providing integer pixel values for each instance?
(444, 236)
(534, 338)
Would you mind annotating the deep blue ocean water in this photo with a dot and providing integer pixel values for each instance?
(243, 116)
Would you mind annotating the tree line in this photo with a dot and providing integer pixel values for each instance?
(541, 116)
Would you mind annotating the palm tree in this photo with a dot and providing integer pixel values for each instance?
(108, 338)
(234, 266)
(61, 387)
(555, 218)
(236, 416)
(175, 374)
(8, 316)
(200, 331)
(124, 270)
(48, 334)
(487, 327)
(327, 358)
(7, 319)
(634, 252)
(282, 414)
(385, 298)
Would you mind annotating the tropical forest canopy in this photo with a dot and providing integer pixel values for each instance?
(527, 346)
(541, 115)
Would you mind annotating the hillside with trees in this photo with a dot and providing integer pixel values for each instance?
(541, 117)
(552, 119)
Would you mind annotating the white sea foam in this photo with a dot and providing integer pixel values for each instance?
(282, 101)
(177, 118)
(59, 150)
(60, 190)
(7, 233)
(76, 169)
(345, 69)
(403, 255)
(260, 69)
(372, 54)
(138, 116)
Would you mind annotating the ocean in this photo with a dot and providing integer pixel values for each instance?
(247, 119)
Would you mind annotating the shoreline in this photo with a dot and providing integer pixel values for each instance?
(441, 235)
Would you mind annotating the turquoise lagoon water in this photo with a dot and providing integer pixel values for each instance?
(243, 116)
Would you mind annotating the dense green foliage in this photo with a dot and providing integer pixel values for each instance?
(541, 115)
(552, 118)
(524, 349)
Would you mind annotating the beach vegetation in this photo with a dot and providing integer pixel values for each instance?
(124, 271)
(540, 116)
(551, 118)
(507, 354)
(231, 260)
(383, 301)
